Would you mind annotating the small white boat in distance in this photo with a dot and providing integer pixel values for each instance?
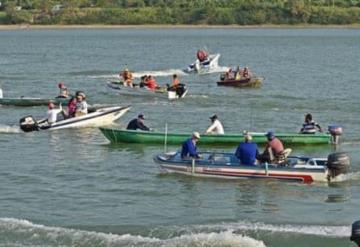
(203, 64)
(100, 117)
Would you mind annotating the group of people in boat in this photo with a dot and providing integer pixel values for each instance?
(247, 152)
(238, 74)
(150, 82)
(76, 107)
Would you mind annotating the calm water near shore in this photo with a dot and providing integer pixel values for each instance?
(73, 188)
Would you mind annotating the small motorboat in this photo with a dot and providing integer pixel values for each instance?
(100, 117)
(254, 82)
(227, 165)
(138, 90)
(204, 62)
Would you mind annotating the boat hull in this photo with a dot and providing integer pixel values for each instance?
(131, 136)
(101, 117)
(231, 169)
(247, 82)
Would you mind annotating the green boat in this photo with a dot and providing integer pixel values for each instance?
(133, 136)
(25, 101)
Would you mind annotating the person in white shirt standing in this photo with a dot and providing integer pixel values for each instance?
(52, 113)
(215, 127)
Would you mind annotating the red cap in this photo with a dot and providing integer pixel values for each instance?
(61, 85)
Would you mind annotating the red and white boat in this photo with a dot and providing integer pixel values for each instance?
(227, 165)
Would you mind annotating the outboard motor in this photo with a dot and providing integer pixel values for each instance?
(28, 124)
(338, 163)
(335, 131)
(355, 233)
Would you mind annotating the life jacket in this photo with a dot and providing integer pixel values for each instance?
(309, 128)
(151, 84)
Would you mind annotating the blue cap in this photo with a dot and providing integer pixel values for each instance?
(270, 134)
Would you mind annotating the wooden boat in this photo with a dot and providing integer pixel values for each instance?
(226, 165)
(243, 82)
(100, 117)
(133, 136)
(27, 101)
(161, 92)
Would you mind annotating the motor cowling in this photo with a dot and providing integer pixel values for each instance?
(355, 232)
(28, 124)
(335, 131)
(338, 163)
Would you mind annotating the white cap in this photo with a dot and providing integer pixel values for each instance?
(196, 135)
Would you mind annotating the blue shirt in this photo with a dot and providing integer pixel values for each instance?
(189, 149)
(247, 152)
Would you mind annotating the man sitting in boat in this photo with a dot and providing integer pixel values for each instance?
(246, 73)
(127, 77)
(138, 123)
(52, 113)
(64, 92)
(274, 150)
(247, 151)
(150, 82)
(310, 126)
(215, 127)
(189, 147)
(81, 105)
(176, 86)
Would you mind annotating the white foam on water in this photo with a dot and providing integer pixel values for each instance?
(9, 129)
(138, 74)
(218, 69)
(316, 230)
(23, 231)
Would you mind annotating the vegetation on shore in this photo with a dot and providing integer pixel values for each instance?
(209, 12)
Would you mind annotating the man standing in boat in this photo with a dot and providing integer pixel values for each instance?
(215, 127)
(52, 113)
(189, 147)
(247, 151)
(64, 92)
(138, 123)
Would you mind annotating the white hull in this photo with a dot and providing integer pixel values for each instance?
(101, 117)
(200, 67)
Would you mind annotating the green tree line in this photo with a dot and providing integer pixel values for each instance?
(211, 12)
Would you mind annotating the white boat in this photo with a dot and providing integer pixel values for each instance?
(227, 165)
(100, 117)
(161, 92)
(211, 62)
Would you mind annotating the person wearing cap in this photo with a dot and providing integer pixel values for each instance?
(138, 123)
(247, 151)
(64, 93)
(52, 113)
(188, 149)
(215, 127)
(273, 149)
(127, 77)
(310, 126)
(81, 105)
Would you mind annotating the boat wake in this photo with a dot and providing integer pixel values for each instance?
(160, 73)
(9, 129)
(218, 69)
(25, 233)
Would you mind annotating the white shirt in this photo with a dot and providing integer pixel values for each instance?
(52, 115)
(215, 128)
(82, 107)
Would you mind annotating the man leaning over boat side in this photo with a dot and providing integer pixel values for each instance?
(216, 127)
(189, 147)
(247, 151)
(138, 123)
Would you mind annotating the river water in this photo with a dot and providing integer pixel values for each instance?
(73, 188)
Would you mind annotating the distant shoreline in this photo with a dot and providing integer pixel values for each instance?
(102, 26)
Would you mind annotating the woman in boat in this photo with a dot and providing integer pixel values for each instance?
(127, 77)
(71, 107)
(81, 105)
(247, 151)
(64, 92)
(188, 149)
(151, 83)
(216, 127)
(309, 125)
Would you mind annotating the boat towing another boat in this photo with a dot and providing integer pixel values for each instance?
(100, 117)
(133, 136)
(227, 165)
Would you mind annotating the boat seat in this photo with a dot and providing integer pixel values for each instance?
(282, 157)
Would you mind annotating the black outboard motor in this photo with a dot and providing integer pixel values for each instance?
(355, 233)
(335, 131)
(28, 124)
(180, 90)
(338, 163)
